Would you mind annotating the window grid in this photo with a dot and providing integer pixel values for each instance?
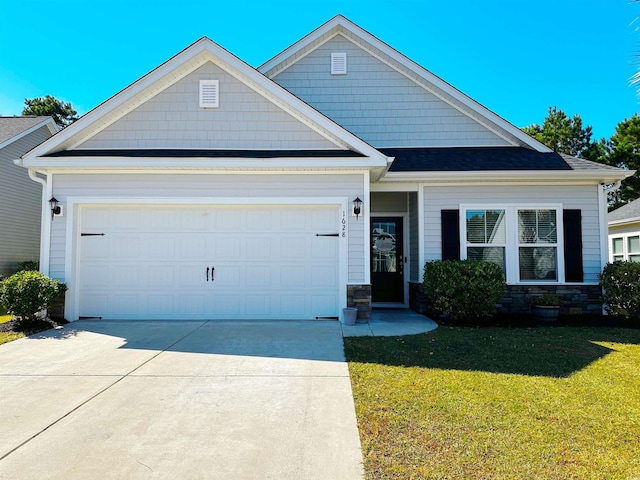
(551, 237)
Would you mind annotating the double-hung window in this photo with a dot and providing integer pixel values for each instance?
(626, 247)
(538, 245)
(524, 240)
(486, 235)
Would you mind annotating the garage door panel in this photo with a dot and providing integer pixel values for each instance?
(152, 262)
(160, 306)
(293, 247)
(294, 220)
(259, 276)
(293, 275)
(325, 305)
(258, 221)
(191, 246)
(192, 305)
(258, 248)
(127, 276)
(324, 247)
(227, 305)
(323, 275)
(190, 275)
(228, 247)
(125, 247)
(129, 219)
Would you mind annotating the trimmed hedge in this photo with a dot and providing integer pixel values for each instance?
(620, 282)
(25, 294)
(463, 289)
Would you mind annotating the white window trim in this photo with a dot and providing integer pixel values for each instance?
(209, 83)
(511, 255)
(625, 244)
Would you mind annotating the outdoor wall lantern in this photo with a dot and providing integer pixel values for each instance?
(357, 203)
(55, 208)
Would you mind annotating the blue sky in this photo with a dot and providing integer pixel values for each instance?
(516, 57)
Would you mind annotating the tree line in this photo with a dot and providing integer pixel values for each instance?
(567, 135)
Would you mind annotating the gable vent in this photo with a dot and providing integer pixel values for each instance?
(209, 94)
(338, 63)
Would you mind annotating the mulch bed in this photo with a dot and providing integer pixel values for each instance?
(30, 327)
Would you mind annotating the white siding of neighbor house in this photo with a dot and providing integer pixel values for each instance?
(173, 119)
(21, 200)
(623, 229)
(211, 186)
(583, 197)
(378, 103)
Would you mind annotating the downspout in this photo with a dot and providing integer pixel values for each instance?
(45, 221)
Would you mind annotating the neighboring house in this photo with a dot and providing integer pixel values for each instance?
(624, 232)
(208, 189)
(20, 197)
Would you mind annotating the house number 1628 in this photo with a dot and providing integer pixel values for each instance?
(343, 229)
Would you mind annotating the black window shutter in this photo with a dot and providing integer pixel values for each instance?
(450, 234)
(573, 271)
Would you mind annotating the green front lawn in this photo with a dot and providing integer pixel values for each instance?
(543, 403)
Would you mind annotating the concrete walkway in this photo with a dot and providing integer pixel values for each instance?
(178, 400)
(391, 323)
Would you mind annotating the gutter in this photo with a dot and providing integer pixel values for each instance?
(45, 220)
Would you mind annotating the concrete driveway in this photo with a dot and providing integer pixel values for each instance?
(179, 400)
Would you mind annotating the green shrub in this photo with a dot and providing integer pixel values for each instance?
(621, 284)
(463, 289)
(28, 266)
(25, 293)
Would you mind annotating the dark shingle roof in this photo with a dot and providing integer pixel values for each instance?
(464, 159)
(628, 211)
(12, 126)
(186, 153)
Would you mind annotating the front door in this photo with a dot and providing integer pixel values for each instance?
(387, 260)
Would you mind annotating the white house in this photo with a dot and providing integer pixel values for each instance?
(208, 189)
(624, 232)
(20, 197)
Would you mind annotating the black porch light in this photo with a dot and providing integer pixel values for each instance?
(55, 208)
(357, 203)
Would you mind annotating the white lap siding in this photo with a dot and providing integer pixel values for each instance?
(212, 186)
(582, 197)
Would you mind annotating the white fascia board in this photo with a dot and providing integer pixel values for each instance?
(501, 176)
(48, 122)
(620, 223)
(92, 163)
(341, 23)
(303, 43)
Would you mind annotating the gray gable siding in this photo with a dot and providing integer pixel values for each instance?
(173, 119)
(378, 103)
(21, 198)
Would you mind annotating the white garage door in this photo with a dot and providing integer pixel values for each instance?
(204, 262)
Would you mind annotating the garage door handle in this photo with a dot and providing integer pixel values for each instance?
(212, 270)
(207, 274)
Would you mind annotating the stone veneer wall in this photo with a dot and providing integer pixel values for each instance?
(359, 296)
(579, 299)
